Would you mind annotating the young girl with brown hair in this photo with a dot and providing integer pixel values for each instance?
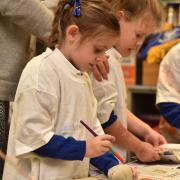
(55, 93)
(137, 19)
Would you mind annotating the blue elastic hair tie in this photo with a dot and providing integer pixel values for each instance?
(69, 3)
(77, 11)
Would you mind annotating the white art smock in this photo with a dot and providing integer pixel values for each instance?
(52, 98)
(113, 90)
(168, 87)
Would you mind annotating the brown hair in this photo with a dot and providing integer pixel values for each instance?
(95, 17)
(135, 8)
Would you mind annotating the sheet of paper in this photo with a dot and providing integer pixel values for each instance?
(175, 148)
(158, 172)
(163, 171)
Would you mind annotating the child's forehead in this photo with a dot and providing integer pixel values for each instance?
(99, 39)
(102, 36)
(145, 23)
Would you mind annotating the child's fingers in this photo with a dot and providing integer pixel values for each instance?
(157, 157)
(96, 73)
(157, 151)
(106, 64)
(102, 69)
(107, 144)
(104, 150)
(162, 140)
(107, 137)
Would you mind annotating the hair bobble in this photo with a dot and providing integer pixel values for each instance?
(69, 3)
(77, 11)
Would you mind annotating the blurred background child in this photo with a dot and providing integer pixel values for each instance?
(137, 20)
(168, 95)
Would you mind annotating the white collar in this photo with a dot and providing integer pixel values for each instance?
(64, 62)
(115, 53)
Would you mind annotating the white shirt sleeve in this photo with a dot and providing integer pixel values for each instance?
(35, 107)
(168, 87)
(105, 93)
(34, 112)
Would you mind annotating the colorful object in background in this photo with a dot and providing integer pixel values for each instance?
(158, 39)
(157, 53)
(128, 65)
(94, 134)
(166, 27)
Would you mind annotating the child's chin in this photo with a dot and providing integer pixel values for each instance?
(129, 53)
(126, 54)
(85, 69)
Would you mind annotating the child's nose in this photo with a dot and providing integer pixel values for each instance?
(139, 43)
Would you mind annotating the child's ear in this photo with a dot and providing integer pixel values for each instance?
(120, 15)
(71, 32)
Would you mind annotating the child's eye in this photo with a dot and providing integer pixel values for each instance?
(97, 50)
(139, 36)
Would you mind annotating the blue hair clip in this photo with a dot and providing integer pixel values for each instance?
(77, 11)
(69, 3)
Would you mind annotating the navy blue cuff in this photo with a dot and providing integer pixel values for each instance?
(171, 112)
(104, 162)
(112, 119)
(63, 148)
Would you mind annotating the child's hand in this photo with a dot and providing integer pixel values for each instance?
(154, 138)
(99, 145)
(147, 153)
(101, 69)
(122, 172)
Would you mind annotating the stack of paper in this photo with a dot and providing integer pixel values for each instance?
(161, 171)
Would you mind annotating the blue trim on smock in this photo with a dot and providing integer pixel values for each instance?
(104, 162)
(112, 119)
(71, 149)
(63, 148)
(171, 112)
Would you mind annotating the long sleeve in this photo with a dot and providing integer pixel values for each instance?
(111, 120)
(168, 86)
(104, 162)
(30, 15)
(106, 94)
(171, 112)
(63, 148)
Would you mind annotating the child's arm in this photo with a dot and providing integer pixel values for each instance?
(142, 130)
(71, 149)
(144, 151)
(63, 148)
